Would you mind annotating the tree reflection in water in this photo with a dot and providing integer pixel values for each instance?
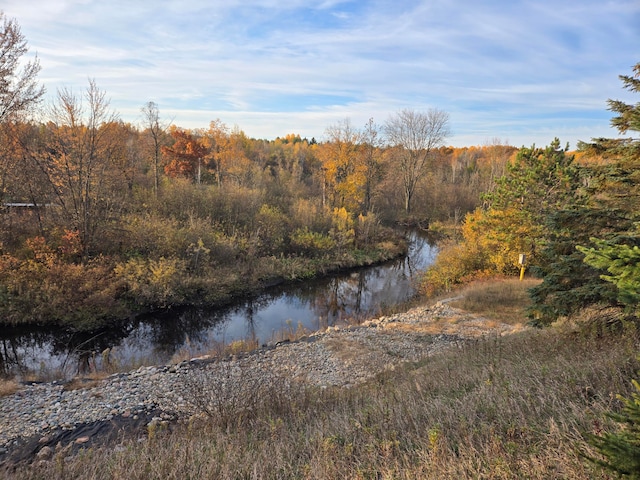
(156, 338)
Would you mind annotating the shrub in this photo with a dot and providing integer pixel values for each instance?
(152, 282)
(454, 265)
(307, 242)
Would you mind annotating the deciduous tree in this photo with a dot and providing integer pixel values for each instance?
(156, 130)
(80, 154)
(371, 152)
(186, 155)
(342, 166)
(414, 136)
(19, 90)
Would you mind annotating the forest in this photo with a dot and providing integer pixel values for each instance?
(102, 219)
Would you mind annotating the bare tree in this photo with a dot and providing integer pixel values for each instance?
(156, 130)
(372, 160)
(19, 90)
(414, 136)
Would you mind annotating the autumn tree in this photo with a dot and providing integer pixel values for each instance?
(186, 155)
(414, 136)
(341, 165)
(216, 139)
(79, 152)
(19, 90)
(238, 167)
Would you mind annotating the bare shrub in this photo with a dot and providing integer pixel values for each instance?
(231, 394)
(8, 386)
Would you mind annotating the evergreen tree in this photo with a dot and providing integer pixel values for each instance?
(603, 214)
(621, 450)
(622, 261)
(539, 182)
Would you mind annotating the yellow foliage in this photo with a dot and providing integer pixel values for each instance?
(500, 236)
(343, 231)
(152, 281)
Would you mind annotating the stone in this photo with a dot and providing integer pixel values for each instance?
(45, 453)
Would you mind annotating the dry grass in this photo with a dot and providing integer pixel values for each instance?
(8, 386)
(463, 325)
(517, 406)
(502, 299)
(79, 383)
(347, 350)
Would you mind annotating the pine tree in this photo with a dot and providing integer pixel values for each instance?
(621, 450)
(622, 261)
(602, 215)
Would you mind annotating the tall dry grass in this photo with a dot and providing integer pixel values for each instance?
(503, 299)
(8, 386)
(508, 407)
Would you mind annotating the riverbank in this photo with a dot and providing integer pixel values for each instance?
(487, 398)
(44, 415)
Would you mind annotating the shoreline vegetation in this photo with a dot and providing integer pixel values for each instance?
(43, 286)
(140, 286)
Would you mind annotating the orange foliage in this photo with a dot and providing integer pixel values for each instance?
(185, 154)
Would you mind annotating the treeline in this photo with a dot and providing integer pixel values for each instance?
(576, 217)
(102, 218)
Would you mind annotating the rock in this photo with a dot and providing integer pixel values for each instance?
(45, 453)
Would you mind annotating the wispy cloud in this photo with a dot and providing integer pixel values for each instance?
(522, 71)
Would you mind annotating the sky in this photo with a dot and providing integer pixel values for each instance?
(514, 71)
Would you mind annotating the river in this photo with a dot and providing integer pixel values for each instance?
(188, 332)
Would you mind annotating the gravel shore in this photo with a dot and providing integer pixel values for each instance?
(46, 414)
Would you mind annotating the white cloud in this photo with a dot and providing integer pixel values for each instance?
(502, 68)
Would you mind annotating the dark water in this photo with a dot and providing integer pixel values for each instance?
(178, 334)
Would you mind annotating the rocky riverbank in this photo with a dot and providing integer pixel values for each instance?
(41, 417)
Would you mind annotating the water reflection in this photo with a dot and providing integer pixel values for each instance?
(157, 338)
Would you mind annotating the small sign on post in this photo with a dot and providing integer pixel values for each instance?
(522, 259)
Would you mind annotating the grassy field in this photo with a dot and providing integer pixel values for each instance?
(516, 406)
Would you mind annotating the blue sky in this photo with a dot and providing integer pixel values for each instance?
(521, 72)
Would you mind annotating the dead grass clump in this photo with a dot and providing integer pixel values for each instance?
(8, 386)
(79, 383)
